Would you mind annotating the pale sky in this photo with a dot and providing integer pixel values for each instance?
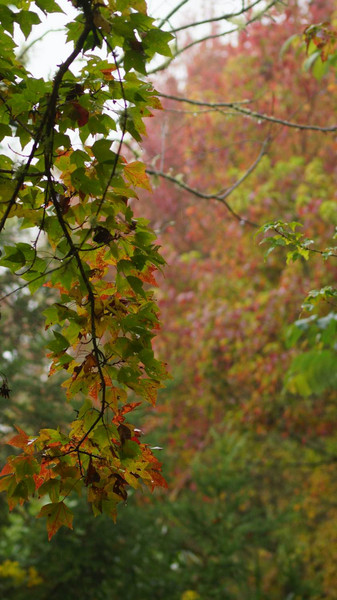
(45, 55)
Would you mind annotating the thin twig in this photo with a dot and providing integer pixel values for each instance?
(171, 13)
(224, 17)
(25, 49)
(41, 276)
(125, 115)
(219, 196)
(210, 37)
(250, 113)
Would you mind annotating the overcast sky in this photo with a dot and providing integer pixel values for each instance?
(46, 54)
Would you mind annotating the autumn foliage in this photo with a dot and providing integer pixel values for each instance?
(97, 260)
(250, 329)
(242, 167)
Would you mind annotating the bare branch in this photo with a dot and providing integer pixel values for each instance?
(40, 276)
(251, 113)
(172, 12)
(14, 171)
(210, 37)
(224, 17)
(220, 196)
(25, 49)
(248, 172)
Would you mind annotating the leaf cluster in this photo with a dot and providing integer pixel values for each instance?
(71, 193)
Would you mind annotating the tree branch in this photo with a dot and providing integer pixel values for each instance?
(47, 120)
(250, 113)
(224, 17)
(210, 37)
(220, 196)
(172, 12)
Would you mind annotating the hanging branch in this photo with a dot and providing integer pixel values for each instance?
(99, 260)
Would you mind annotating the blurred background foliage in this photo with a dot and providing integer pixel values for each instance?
(248, 421)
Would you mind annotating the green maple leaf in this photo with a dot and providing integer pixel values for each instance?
(57, 514)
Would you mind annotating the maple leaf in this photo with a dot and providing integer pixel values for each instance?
(147, 275)
(92, 474)
(79, 113)
(89, 363)
(107, 73)
(104, 316)
(136, 175)
(19, 441)
(157, 480)
(57, 514)
(6, 481)
(147, 389)
(7, 469)
(124, 410)
(44, 475)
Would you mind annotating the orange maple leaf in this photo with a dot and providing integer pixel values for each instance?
(19, 441)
